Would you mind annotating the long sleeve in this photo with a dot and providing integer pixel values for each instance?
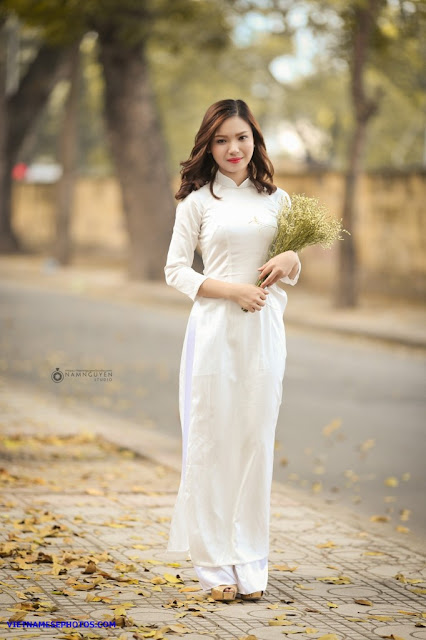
(292, 281)
(178, 270)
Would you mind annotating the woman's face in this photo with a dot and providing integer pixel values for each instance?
(232, 148)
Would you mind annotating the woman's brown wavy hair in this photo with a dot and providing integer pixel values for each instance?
(201, 167)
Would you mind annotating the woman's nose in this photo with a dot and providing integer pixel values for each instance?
(233, 146)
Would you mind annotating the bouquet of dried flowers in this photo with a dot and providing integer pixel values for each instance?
(302, 223)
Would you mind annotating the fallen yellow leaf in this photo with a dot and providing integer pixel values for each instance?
(332, 426)
(391, 481)
(379, 518)
(171, 578)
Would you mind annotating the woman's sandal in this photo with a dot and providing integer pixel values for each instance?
(256, 595)
(219, 593)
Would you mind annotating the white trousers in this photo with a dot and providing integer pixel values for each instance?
(249, 577)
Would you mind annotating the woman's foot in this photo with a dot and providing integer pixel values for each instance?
(256, 595)
(224, 592)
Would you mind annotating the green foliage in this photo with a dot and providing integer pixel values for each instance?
(195, 59)
(131, 21)
(400, 48)
(60, 21)
(395, 65)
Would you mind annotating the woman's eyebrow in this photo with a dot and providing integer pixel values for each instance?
(220, 135)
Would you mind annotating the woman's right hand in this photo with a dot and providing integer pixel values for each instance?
(250, 297)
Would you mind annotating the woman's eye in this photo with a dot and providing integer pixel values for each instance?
(220, 140)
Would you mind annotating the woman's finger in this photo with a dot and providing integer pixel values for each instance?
(270, 279)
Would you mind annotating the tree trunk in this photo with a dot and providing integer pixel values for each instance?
(139, 153)
(8, 241)
(347, 290)
(20, 114)
(68, 160)
(365, 16)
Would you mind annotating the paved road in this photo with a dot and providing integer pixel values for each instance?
(369, 397)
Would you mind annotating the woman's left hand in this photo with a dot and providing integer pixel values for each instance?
(280, 266)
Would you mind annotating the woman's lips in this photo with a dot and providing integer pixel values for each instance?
(234, 160)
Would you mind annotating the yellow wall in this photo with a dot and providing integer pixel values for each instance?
(97, 220)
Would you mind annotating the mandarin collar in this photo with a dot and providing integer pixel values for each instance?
(224, 181)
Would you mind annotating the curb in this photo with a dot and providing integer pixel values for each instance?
(386, 338)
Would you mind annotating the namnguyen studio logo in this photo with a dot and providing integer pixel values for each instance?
(97, 375)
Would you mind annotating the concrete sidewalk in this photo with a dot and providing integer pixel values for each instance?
(380, 319)
(86, 502)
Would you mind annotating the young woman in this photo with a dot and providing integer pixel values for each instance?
(232, 365)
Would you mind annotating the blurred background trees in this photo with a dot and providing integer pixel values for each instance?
(335, 85)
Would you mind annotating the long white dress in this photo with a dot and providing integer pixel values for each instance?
(230, 381)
